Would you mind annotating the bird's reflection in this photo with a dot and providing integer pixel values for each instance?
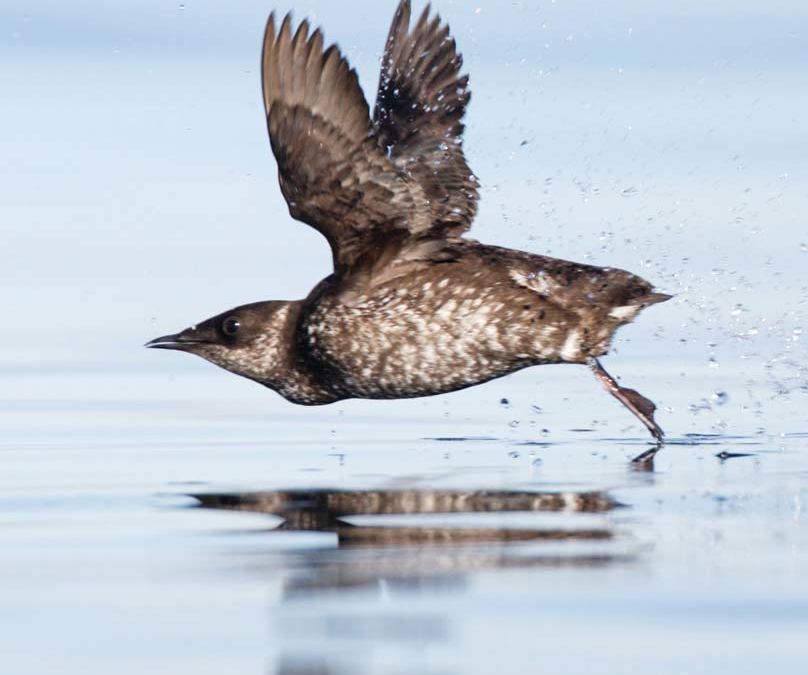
(326, 510)
(415, 550)
(406, 543)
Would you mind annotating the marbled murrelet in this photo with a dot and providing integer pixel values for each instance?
(412, 308)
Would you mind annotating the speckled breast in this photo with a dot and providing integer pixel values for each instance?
(443, 329)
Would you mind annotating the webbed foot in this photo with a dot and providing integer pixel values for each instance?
(642, 407)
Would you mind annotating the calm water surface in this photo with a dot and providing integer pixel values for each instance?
(404, 539)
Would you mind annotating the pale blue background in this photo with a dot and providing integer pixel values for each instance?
(138, 195)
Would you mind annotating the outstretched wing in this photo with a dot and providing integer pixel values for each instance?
(370, 186)
(419, 107)
(331, 170)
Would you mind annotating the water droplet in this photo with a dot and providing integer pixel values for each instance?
(738, 310)
(719, 397)
(182, 7)
(504, 402)
(513, 424)
(803, 247)
(712, 363)
(513, 454)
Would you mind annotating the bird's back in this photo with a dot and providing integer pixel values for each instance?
(471, 314)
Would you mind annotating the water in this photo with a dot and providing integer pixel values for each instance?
(159, 515)
(369, 539)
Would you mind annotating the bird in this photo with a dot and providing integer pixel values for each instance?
(413, 307)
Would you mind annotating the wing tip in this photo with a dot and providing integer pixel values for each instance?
(302, 32)
(404, 7)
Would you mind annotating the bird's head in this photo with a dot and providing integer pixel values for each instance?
(251, 340)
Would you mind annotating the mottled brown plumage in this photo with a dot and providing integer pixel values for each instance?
(412, 308)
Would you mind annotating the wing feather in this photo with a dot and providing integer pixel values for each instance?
(419, 107)
(331, 171)
(396, 180)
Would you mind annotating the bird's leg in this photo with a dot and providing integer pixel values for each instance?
(633, 400)
(645, 460)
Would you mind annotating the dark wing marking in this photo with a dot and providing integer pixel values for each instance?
(331, 170)
(419, 107)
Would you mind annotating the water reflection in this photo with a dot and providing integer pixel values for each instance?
(321, 509)
(391, 547)
(302, 666)
(329, 511)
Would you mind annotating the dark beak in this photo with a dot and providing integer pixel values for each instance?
(176, 341)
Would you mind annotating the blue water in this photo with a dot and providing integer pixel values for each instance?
(109, 563)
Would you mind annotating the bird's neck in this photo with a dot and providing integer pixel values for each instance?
(292, 375)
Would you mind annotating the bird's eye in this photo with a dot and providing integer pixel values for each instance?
(230, 326)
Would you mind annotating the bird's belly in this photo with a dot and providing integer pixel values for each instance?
(385, 366)
(405, 346)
